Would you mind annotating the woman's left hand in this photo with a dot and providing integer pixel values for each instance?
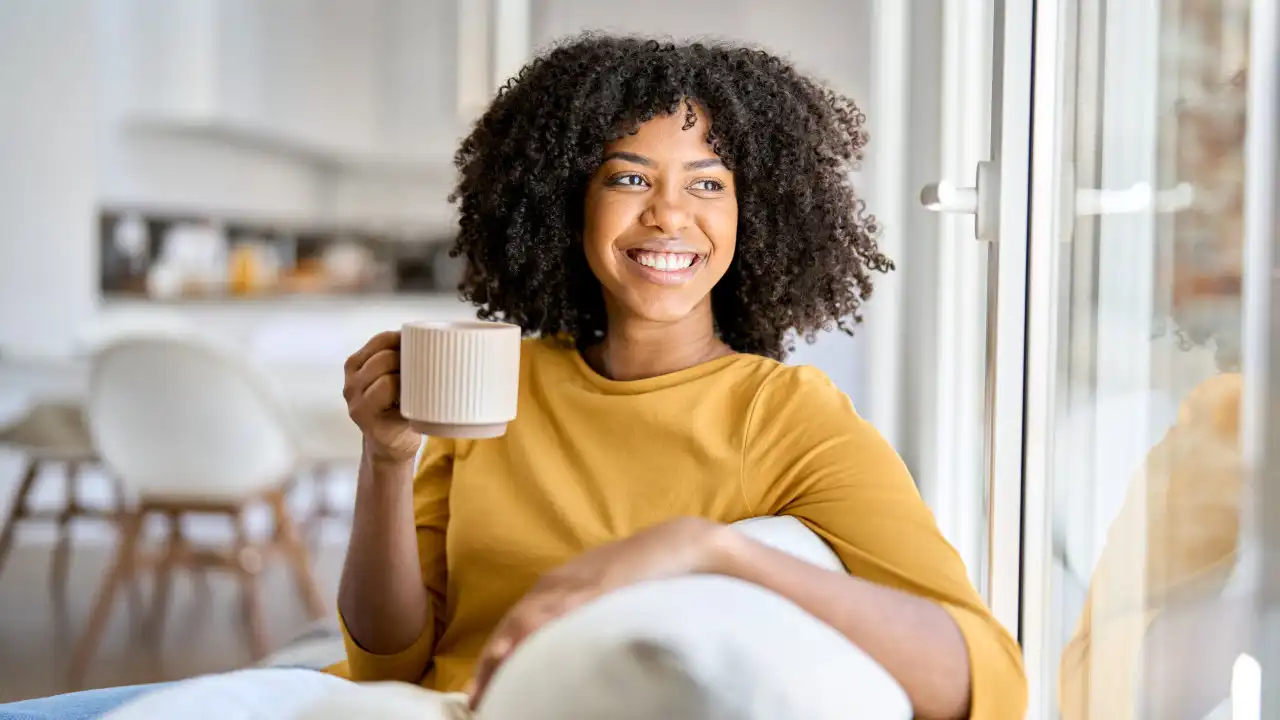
(678, 547)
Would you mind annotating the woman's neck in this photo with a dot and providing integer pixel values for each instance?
(635, 349)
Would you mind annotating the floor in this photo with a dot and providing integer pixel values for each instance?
(36, 635)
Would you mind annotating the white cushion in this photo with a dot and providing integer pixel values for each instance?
(701, 647)
(252, 694)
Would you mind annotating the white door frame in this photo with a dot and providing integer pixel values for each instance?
(957, 487)
(1261, 405)
(1048, 234)
(976, 449)
(1011, 133)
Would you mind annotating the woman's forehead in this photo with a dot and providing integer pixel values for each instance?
(666, 136)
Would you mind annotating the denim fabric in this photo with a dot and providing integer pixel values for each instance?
(83, 705)
(250, 693)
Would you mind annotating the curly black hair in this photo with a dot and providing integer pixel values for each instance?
(806, 245)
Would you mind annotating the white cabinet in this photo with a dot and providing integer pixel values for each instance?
(369, 85)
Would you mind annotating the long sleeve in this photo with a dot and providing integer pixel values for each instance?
(808, 454)
(431, 515)
(1174, 541)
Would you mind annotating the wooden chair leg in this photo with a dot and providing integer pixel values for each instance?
(121, 497)
(295, 551)
(173, 549)
(60, 563)
(121, 502)
(122, 571)
(17, 509)
(249, 566)
(313, 526)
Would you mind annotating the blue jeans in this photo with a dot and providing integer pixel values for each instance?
(83, 705)
(251, 692)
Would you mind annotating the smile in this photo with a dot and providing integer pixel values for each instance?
(664, 268)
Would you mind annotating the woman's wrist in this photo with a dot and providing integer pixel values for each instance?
(385, 471)
(381, 457)
(724, 550)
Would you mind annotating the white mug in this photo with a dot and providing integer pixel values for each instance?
(459, 379)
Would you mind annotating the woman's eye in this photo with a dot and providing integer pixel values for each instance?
(628, 180)
(708, 185)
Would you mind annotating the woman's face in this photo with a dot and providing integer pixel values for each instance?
(661, 220)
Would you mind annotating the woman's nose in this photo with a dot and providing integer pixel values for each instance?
(666, 214)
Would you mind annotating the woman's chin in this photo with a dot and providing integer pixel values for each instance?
(664, 307)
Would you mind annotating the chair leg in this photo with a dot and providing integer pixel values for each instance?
(121, 497)
(59, 565)
(135, 592)
(174, 547)
(121, 572)
(17, 509)
(249, 566)
(320, 510)
(287, 538)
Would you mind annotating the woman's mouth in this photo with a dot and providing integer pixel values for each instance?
(666, 261)
(664, 268)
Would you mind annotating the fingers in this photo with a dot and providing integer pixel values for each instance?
(517, 626)
(381, 396)
(360, 382)
(389, 340)
(381, 364)
(493, 656)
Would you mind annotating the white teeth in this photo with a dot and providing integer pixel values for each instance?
(667, 262)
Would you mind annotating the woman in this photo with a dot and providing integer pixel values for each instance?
(663, 218)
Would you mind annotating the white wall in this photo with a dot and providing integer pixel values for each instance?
(47, 171)
(153, 59)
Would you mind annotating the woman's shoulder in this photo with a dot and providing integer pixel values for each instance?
(804, 399)
(799, 386)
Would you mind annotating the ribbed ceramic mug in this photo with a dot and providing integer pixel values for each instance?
(459, 379)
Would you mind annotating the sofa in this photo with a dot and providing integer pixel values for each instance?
(696, 647)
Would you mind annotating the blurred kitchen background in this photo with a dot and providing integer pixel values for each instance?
(269, 177)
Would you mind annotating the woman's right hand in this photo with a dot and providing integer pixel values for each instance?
(372, 389)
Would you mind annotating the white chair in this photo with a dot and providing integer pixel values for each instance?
(51, 433)
(191, 428)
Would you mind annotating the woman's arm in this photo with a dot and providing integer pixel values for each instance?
(807, 454)
(393, 580)
(381, 596)
(913, 639)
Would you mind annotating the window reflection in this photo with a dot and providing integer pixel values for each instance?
(1149, 476)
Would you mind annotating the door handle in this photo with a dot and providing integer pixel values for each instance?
(1139, 198)
(982, 200)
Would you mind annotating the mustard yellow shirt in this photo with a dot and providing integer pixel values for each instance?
(591, 460)
(1175, 537)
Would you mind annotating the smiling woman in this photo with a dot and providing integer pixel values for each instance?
(661, 219)
(629, 146)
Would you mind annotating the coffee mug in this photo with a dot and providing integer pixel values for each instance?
(459, 379)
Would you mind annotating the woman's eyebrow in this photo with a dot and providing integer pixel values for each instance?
(642, 160)
(704, 164)
(628, 157)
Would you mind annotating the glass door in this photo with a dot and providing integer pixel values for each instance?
(1128, 469)
(1140, 551)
